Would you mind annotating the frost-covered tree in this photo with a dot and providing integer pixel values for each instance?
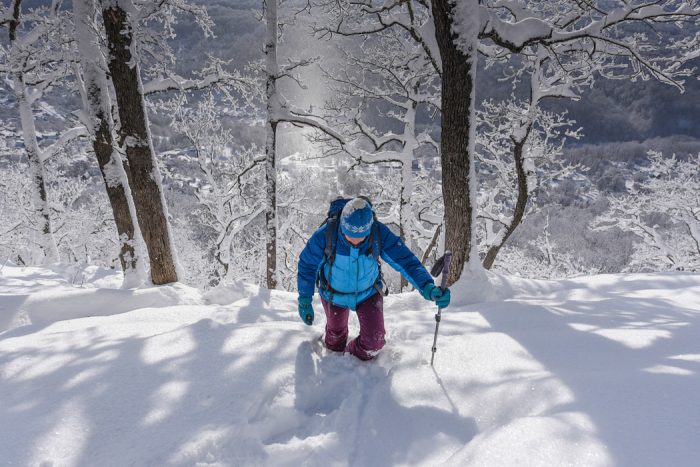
(37, 58)
(526, 138)
(301, 208)
(675, 185)
(120, 19)
(605, 31)
(148, 26)
(543, 259)
(16, 212)
(279, 110)
(671, 190)
(568, 45)
(388, 80)
(228, 189)
(83, 218)
(456, 26)
(129, 35)
(97, 117)
(519, 149)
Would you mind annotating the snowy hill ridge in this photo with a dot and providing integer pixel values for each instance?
(593, 371)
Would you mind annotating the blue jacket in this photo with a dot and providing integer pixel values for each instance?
(355, 270)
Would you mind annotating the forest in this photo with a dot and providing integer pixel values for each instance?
(170, 175)
(201, 142)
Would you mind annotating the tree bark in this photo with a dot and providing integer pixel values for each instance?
(520, 203)
(135, 138)
(405, 212)
(104, 150)
(100, 128)
(47, 243)
(271, 211)
(273, 108)
(457, 105)
(432, 245)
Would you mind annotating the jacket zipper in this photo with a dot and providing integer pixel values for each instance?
(357, 275)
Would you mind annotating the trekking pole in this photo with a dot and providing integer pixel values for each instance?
(442, 266)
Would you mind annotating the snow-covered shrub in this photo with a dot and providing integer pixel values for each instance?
(669, 194)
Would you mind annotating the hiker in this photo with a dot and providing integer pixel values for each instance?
(341, 259)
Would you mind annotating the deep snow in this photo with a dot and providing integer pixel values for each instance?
(594, 371)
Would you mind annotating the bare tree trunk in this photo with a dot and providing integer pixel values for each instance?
(456, 112)
(432, 245)
(100, 127)
(405, 212)
(116, 192)
(273, 103)
(135, 138)
(47, 243)
(520, 204)
(271, 211)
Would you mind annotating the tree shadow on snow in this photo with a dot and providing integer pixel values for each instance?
(633, 365)
(113, 401)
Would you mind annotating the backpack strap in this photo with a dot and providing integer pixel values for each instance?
(331, 246)
(375, 240)
(375, 249)
(329, 254)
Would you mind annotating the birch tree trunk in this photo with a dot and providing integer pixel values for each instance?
(101, 130)
(46, 242)
(406, 191)
(456, 145)
(273, 108)
(135, 138)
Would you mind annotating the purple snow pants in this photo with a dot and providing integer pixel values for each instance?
(371, 339)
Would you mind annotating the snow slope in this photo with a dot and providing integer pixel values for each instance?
(594, 371)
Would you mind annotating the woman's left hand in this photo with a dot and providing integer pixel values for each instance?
(437, 295)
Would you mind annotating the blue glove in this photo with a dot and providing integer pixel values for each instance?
(306, 311)
(435, 294)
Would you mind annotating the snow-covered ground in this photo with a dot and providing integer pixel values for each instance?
(595, 371)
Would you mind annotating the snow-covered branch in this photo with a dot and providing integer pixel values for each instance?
(217, 78)
(604, 34)
(65, 138)
(364, 18)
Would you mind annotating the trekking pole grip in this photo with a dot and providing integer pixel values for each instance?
(445, 269)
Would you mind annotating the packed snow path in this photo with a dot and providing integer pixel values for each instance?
(594, 371)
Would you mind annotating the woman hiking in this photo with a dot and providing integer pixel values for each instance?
(341, 259)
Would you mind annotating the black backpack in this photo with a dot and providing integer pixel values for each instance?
(332, 231)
